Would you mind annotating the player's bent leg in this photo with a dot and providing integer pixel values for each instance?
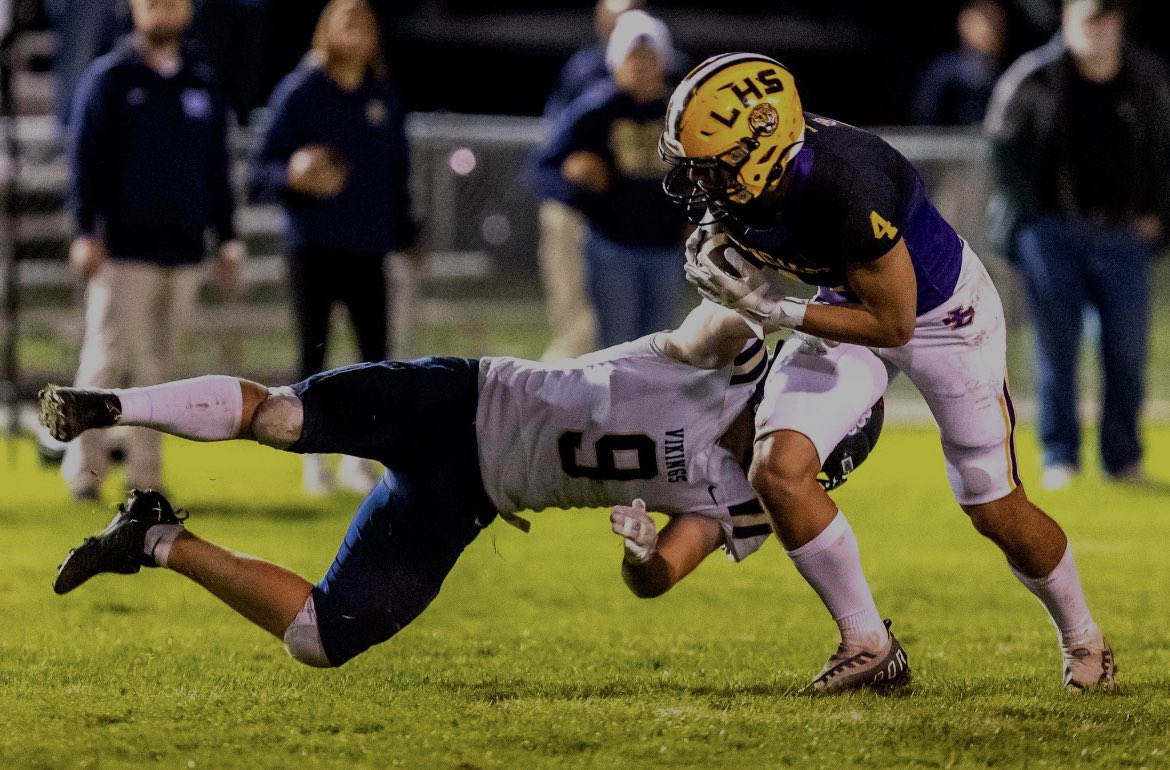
(986, 485)
(1041, 558)
(398, 550)
(824, 549)
(811, 401)
(266, 594)
(147, 532)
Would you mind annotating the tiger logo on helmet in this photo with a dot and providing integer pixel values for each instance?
(732, 127)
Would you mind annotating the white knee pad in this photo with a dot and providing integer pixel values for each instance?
(302, 640)
(981, 475)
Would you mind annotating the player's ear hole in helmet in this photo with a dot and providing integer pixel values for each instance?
(732, 127)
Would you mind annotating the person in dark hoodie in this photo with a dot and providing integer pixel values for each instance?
(337, 157)
(149, 179)
(602, 159)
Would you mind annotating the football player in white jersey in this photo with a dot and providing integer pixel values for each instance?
(781, 191)
(664, 421)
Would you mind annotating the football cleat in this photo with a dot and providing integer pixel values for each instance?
(851, 669)
(1089, 666)
(119, 547)
(68, 412)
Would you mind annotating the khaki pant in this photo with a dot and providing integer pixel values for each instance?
(562, 270)
(136, 317)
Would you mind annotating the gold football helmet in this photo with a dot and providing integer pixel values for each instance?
(732, 127)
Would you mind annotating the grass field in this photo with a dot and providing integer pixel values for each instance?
(536, 656)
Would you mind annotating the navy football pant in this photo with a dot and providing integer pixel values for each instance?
(417, 418)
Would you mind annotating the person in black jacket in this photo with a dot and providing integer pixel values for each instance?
(1080, 133)
(336, 155)
(602, 159)
(149, 179)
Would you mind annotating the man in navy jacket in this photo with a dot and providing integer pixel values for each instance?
(149, 179)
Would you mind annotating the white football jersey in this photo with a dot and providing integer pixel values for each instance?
(625, 422)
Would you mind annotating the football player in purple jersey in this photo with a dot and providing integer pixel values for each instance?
(777, 192)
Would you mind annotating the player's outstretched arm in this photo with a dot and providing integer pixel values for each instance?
(653, 562)
(710, 337)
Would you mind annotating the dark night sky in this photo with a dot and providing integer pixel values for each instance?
(857, 60)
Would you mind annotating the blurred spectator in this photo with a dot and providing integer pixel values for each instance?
(336, 155)
(602, 158)
(7, 18)
(149, 178)
(562, 230)
(1081, 150)
(85, 30)
(956, 87)
(234, 36)
(586, 68)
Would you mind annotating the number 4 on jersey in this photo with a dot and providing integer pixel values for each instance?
(882, 227)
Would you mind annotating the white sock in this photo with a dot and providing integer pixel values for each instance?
(201, 409)
(831, 564)
(1061, 594)
(159, 539)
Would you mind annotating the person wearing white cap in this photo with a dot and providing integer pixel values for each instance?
(602, 159)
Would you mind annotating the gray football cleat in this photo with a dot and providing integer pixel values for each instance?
(849, 669)
(119, 548)
(1089, 666)
(69, 412)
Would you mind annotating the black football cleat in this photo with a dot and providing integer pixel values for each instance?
(863, 669)
(119, 547)
(69, 412)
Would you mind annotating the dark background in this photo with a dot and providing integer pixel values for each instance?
(857, 60)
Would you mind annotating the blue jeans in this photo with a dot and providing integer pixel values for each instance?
(1068, 264)
(635, 290)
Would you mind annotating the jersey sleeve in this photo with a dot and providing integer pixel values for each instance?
(875, 215)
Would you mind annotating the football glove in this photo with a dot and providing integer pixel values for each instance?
(709, 236)
(640, 535)
(742, 286)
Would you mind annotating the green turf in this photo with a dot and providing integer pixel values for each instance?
(536, 656)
